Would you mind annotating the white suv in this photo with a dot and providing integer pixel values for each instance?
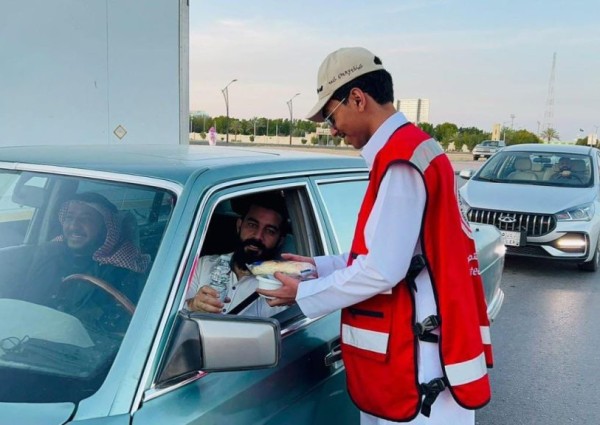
(544, 199)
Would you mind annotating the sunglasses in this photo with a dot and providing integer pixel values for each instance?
(329, 118)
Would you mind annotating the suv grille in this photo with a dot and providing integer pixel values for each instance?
(533, 224)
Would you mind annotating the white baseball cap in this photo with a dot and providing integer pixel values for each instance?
(337, 69)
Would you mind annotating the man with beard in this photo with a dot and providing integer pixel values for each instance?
(261, 230)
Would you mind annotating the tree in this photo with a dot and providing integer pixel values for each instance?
(426, 127)
(519, 137)
(550, 134)
(469, 136)
(444, 133)
(235, 127)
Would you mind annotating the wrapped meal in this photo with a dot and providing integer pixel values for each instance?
(298, 269)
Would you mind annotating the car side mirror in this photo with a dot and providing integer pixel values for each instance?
(219, 342)
(466, 174)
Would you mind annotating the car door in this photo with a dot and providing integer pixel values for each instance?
(308, 384)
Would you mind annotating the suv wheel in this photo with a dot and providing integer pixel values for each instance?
(594, 263)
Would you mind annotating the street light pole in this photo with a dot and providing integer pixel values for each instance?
(225, 92)
(504, 131)
(291, 108)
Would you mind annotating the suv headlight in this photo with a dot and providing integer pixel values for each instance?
(464, 206)
(583, 212)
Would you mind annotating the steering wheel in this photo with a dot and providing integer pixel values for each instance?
(571, 176)
(106, 287)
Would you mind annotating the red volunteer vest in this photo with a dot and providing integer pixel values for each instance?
(379, 343)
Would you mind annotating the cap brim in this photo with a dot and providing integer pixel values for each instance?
(316, 113)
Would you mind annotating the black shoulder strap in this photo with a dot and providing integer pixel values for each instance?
(241, 306)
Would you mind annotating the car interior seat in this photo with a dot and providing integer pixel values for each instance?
(221, 236)
(129, 227)
(522, 170)
(579, 168)
(538, 169)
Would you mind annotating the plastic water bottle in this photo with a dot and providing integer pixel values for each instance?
(219, 276)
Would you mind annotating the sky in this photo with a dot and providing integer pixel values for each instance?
(479, 62)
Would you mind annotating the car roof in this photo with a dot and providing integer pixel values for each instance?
(549, 148)
(177, 162)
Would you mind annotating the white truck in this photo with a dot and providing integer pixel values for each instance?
(94, 72)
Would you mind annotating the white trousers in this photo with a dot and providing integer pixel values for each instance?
(444, 411)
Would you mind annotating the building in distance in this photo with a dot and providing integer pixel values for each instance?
(416, 110)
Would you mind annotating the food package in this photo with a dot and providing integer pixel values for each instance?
(299, 269)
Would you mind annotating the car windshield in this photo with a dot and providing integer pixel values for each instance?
(537, 168)
(74, 257)
(490, 143)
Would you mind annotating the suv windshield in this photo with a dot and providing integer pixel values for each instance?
(74, 257)
(548, 169)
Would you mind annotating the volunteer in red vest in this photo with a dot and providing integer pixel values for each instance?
(414, 331)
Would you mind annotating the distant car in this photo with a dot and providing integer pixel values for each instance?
(487, 148)
(545, 199)
(166, 365)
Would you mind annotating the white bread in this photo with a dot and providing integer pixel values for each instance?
(296, 268)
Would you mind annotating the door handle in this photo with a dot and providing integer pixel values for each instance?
(335, 355)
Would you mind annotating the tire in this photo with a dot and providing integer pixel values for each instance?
(475, 157)
(594, 264)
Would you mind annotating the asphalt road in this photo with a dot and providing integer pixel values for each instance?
(546, 345)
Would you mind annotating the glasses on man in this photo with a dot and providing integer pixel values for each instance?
(329, 119)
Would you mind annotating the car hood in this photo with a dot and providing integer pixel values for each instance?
(36, 413)
(524, 197)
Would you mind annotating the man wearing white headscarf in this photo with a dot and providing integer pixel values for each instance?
(91, 245)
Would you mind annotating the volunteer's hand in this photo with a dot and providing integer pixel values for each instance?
(294, 257)
(286, 295)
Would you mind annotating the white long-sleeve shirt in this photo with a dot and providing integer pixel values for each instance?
(237, 290)
(392, 238)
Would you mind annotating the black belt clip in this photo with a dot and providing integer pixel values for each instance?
(423, 329)
(417, 263)
(431, 390)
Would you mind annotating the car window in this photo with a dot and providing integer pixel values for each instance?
(150, 209)
(342, 200)
(68, 294)
(15, 213)
(537, 168)
(226, 239)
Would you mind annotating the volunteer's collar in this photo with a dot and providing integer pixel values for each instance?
(381, 136)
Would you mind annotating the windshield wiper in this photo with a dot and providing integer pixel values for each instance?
(490, 179)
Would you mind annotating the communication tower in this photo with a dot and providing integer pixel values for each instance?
(549, 112)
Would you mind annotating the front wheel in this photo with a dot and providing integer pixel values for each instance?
(594, 263)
